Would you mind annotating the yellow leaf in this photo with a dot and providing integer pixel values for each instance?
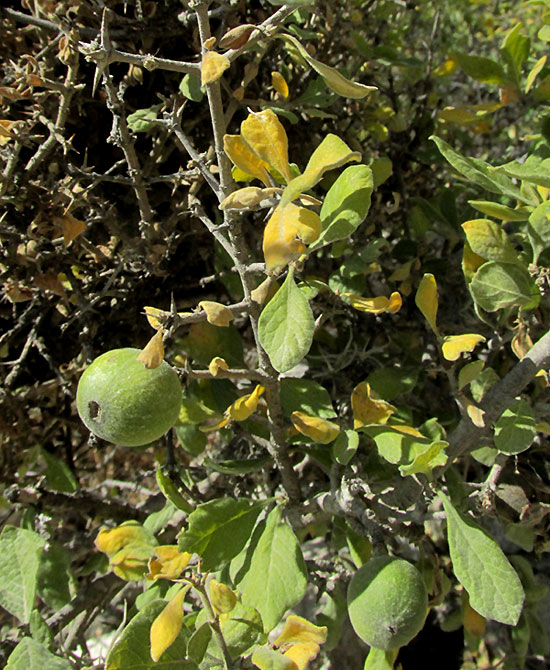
(130, 563)
(408, 430)
(333, 79)
(427, 301)
(471, 262)
(266, 136)
(217, 364)
(242, 156)
(167, 626)
(216, 313)
(331, 153)
(455, 345)
(521, 342)
(111, 540)
(222, 598)
(302, 653)
(169, 564)
(265, 291)
(279, 84)
(246, 198)
(476, 414)
(298, 629)
(319, 430)
(376, 305)
(213, 65)
(153, 353)
(220, 424)
(367, 408)
(287, 230)
(246, 405)
(70, 227)
(156, 317)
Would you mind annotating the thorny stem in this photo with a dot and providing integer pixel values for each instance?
(214, 622)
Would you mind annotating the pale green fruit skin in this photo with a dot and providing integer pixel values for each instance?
(122, 401)
(387, 602)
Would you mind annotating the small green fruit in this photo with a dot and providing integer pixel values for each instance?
(122, 401)
(387, 602)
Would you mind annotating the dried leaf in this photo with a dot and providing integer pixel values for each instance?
(236, 37)
(247, 198)
(216, 313)
(266, 136)
(70, 227)
(152, 354)
(213, 65)
(319, 430)
(166, 627)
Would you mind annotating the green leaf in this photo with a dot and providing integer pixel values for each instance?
(378, 659)
(241, 628)
(266, 658)
(499, 285)
(132, 650)
(482, 69)
(58, 474)
(345, 205)
(190, 87)
(515, 50)
(539, 229)
(20, 552)
(285, 328)
(305, 395)
(499, 211)
(204, 341)
(55, 576)
(481, 567)
(345, 446)
(489, 240)
(31, 655)
(199, 641)
(515, 430)
(480, 173)
(219, 529)
(535, 170)
(142, 119)
(273, 576)
(390, 382)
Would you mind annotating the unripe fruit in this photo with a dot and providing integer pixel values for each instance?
(122, 401)
(387, 602)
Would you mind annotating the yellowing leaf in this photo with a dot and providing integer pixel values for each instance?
(265, 291)
(242, 156)
(111, 540)
(473, 622)
(471, 262)
(298, 629)
(376, 305)
(156, 317)
(427, 301)
(130, 563)
(287, 230)
(222, 598)
(266, 136)
(455, 345)
(167, 626)
(302, 653)
(269, 659)
(213, 65)
(367, 408)
(534, 73)
(246, 405)
(217, 364)
(319, 430)
(333, 79)
(216, 313)
(446, 68)
(331, 153)
(408, 430)
(169, 564)
(279, 84)
(153, 353)
(246, 198)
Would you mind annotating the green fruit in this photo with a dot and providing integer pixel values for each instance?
(122, 401)
(387, 602)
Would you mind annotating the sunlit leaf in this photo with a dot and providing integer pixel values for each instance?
(302, 653)
(152, 354)
(242, 156)
(333, 152)
(425, 461)
(319, 430)
(222, 598)
(376, 305)
(156, 317)
(427, 301)
(216, 313)
(167, 625)
(298, 629)
(266, 136)
(455, 345)
(247, 198)
(169, 562)
(367, 408)
(246, 405)
(213, 65)
(111, 540)
(279, 84)
(489, 240)
(236, 37)
(217, 364)
(333, 79)
(269, 659)
(288, 230)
